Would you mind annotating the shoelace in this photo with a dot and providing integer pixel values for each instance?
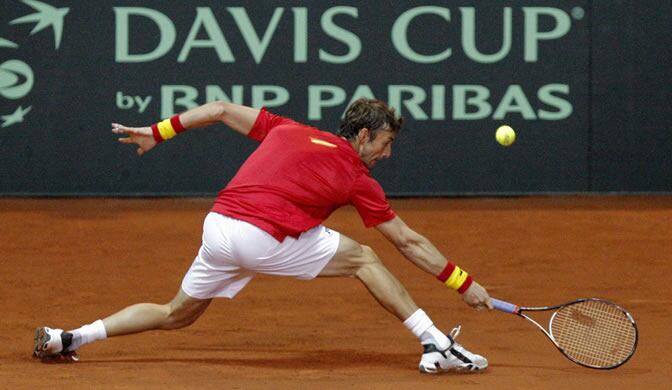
(455, 332)
(455, 345)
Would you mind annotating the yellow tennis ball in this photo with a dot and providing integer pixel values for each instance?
(505, 135)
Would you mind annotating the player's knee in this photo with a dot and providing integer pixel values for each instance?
(176, 319)
(368, 257)
(180, 315)
(350, 261)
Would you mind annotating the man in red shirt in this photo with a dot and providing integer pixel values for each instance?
(269, 218)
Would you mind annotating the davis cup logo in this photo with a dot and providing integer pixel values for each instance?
(16, 77)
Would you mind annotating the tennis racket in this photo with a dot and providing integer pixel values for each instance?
(591, 332)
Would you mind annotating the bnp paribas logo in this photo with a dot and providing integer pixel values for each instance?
(16, 76)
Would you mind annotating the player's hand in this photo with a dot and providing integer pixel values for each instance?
(141, 136)
(477, 297)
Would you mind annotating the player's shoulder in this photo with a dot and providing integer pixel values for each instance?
(312, 132)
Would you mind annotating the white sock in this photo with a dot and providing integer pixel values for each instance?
(87, 334)
(423, 328)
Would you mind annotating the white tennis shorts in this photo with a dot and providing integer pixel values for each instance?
(233, 251)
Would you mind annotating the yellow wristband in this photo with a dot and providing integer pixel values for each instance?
(457, 278)
(166, 129)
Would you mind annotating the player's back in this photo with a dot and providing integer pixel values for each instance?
(293, 181)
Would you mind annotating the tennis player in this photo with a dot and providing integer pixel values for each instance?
(269, 218)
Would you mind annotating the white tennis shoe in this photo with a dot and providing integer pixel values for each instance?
(48, 347)
(454, 358)
(47, 342)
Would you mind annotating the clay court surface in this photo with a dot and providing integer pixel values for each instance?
(65, 262)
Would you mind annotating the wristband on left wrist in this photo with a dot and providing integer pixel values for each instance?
(455, 277)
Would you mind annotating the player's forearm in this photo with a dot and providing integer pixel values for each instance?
(203, 116)
(424, 254)
(415, 247)
(421, 252)
(238, 118)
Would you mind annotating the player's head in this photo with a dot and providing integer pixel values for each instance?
(371, 126)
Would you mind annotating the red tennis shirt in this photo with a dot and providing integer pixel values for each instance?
(297, 177)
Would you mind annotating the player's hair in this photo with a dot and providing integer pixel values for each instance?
(373, 114)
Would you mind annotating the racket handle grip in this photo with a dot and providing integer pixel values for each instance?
(504, 306)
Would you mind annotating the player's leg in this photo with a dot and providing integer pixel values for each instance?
(212, 274)
(441, 352)
(360, 261)
(181, 311)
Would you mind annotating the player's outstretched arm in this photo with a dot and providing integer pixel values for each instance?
(238, 118)
(424, 254)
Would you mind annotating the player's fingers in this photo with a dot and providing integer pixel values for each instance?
(120, 129)
(488, 303)
(125, 140)
(140, 151)
(475, 303)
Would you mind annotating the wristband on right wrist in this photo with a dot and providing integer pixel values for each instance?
(455, 277)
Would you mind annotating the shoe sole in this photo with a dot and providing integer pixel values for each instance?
(40, 340)
(61, 358)
(468, 369)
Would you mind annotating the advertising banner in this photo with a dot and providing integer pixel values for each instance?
(455, 70)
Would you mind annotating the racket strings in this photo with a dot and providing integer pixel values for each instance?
(594, 333)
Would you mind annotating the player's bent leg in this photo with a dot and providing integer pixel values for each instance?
(440, 353)
(57, 345)
(353, 259)
(182, 311)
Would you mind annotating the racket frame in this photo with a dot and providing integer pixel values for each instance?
(519, 311)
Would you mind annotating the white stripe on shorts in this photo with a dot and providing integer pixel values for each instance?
(233, 251)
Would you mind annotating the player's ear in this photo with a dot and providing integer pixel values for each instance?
(363, 136)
